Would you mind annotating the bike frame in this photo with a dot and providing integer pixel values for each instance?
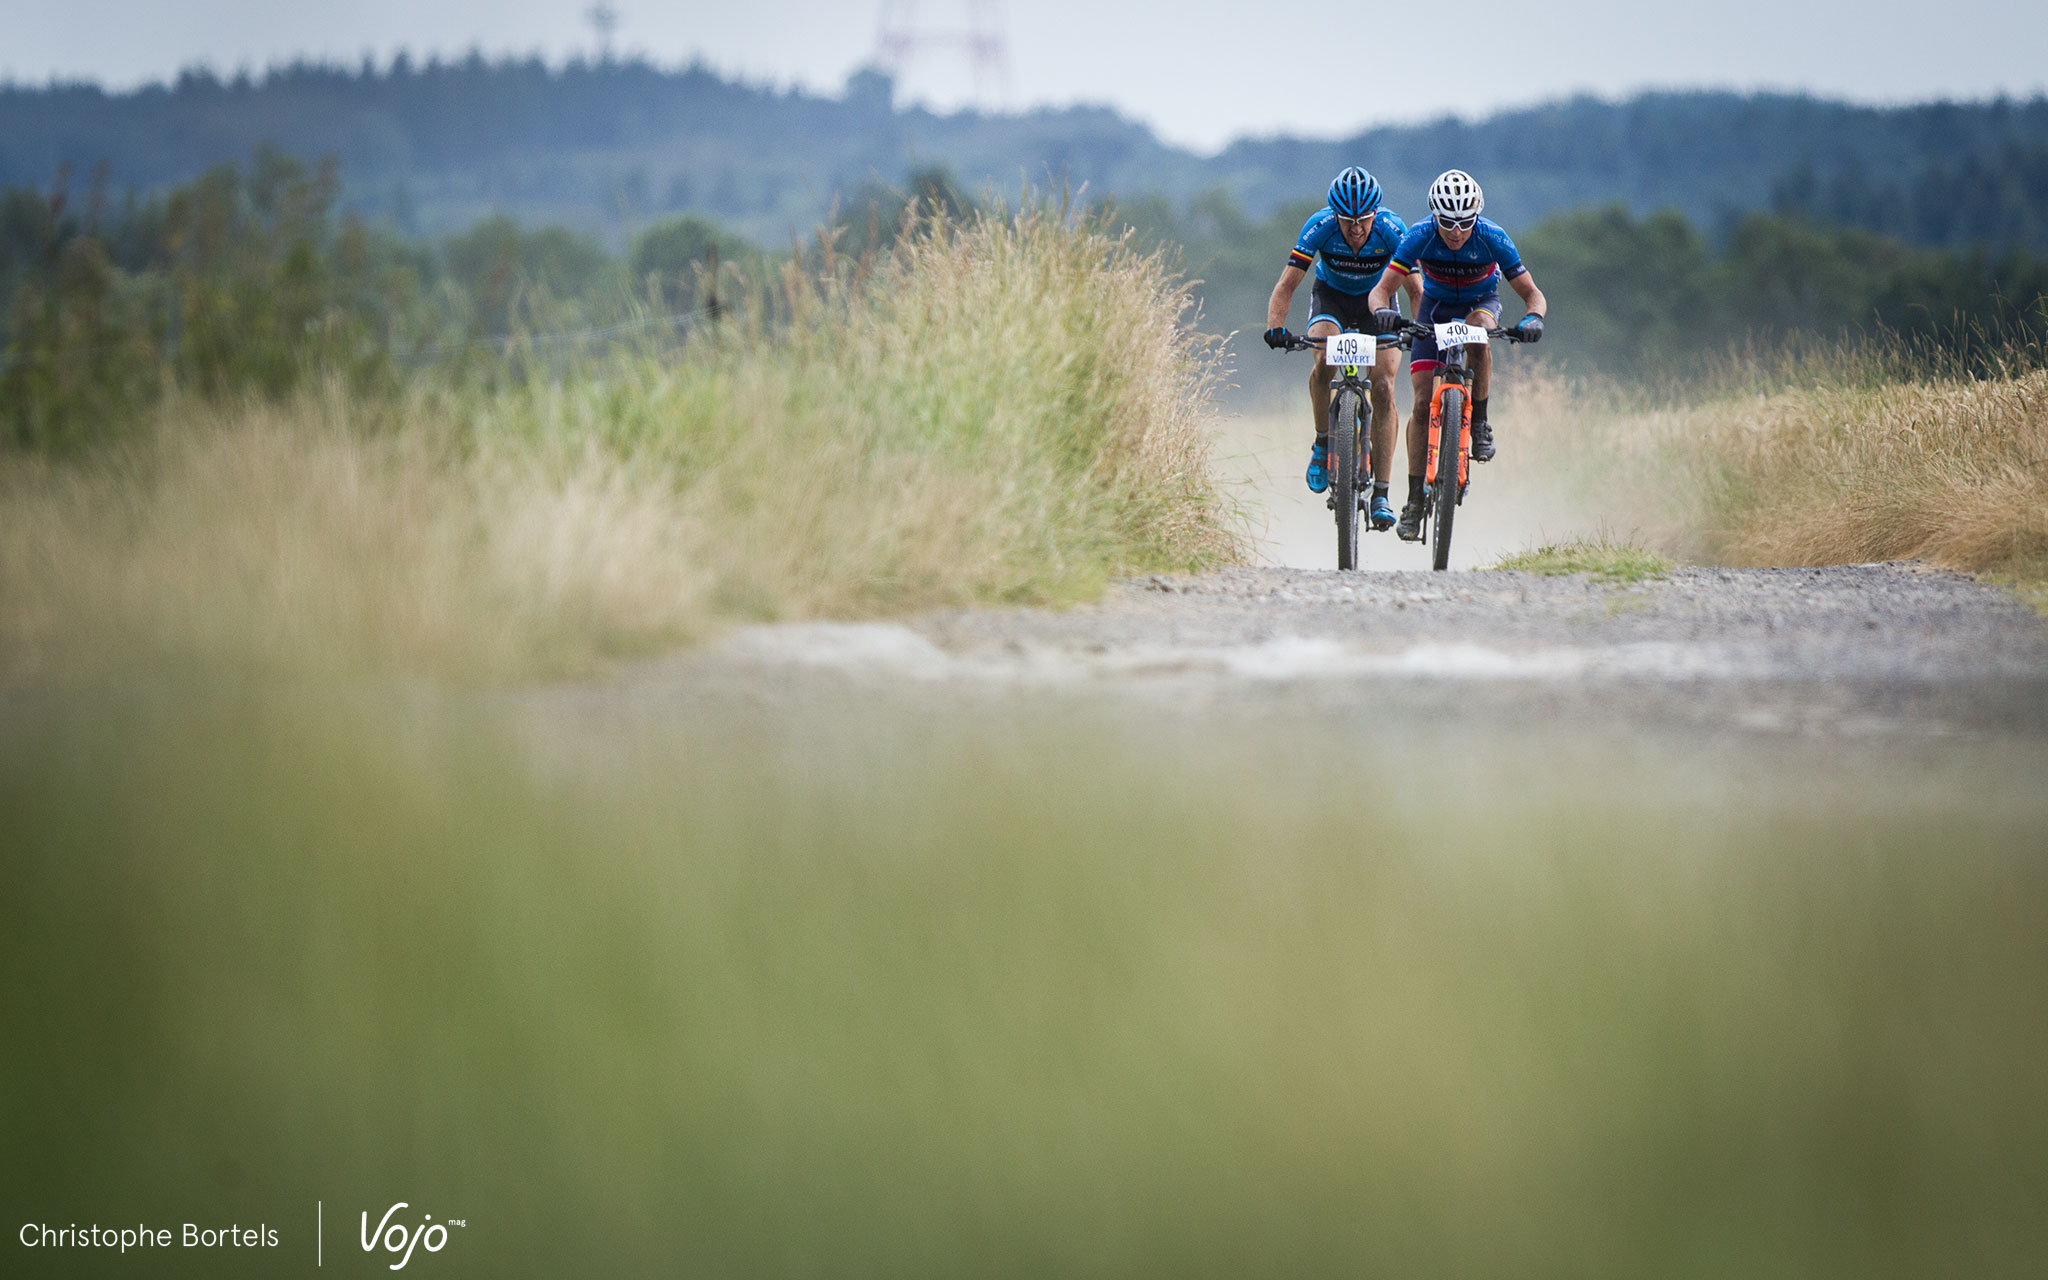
(1452, 370)
(1348, 487)
(1355, 380)
(1453, 373)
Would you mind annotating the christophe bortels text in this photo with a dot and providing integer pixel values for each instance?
(38, 1235)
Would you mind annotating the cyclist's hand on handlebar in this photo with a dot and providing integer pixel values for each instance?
(1386, 320)
(1279, 339)
(1529, 328)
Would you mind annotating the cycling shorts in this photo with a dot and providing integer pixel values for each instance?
(1434, 311)
(1346, 310)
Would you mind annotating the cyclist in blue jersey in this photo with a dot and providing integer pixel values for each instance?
(1462, 258)
(1349, 242)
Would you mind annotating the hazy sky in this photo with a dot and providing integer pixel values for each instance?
(1199, 71)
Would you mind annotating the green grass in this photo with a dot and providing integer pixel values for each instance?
(2029, 582)
(1625, 562)
(669, 981)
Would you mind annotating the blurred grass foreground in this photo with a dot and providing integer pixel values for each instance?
(1007, 409)
(691, 983)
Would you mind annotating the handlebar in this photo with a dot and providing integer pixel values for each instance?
(1407, 333)
(1410, 330)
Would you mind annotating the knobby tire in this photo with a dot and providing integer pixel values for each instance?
(1449, 452)
(1344, 439)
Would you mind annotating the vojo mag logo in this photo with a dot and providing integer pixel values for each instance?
(399, 1238)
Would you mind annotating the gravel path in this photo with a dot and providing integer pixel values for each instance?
(1885, 649)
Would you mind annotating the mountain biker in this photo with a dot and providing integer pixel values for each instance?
(1350, 241)
(1462, 258)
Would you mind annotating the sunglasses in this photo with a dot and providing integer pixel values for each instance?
(1458, 224)
(1364, 221)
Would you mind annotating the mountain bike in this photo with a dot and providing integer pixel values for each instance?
(1350, 432)
(1449, 470)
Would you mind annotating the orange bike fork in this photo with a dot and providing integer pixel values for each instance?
(1436, 418)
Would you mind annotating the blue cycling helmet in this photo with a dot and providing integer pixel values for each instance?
(1354, 194)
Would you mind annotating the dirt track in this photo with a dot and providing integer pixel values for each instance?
(1891, 650)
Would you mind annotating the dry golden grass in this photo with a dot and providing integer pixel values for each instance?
(287, 537)
(1008, 411)
(1849, 469)
(1955, 473)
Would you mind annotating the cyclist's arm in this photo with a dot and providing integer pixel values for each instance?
(1532, 297)
(1411, 284)
(1382, 295)
(1283, 295)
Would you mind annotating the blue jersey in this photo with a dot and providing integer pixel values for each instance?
(1459, 275)
(1337, 264)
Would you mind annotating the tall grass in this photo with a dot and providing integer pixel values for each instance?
(1008, 410)
(1952, 472)
(1829, 455)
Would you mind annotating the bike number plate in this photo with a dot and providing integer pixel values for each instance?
(1350, 348)
(1457, 333)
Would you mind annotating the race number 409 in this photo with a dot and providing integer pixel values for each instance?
(1350, 348)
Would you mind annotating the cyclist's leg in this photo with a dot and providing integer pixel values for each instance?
(1385, 365)
(1422, 365)
(1424, 383)
(1485, 314)
(1321, 377)
(1409, 527)
(1323, 320)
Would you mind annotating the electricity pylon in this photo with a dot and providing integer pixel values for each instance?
(900, 39)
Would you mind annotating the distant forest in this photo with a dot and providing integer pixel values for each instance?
(236, 234)
(612, 147)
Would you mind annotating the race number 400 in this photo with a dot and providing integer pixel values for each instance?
(1457, 333)
(1350, 348)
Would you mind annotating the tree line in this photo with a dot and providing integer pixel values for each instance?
(610, 146)
(1993, 196)
(251, 278)
(1652, 295)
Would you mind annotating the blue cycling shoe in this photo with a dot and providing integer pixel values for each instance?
(1382, 513)
(1319, 468)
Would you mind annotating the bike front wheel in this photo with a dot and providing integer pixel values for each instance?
(1344, 441)
(1449, 461)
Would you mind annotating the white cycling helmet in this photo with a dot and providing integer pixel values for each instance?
(1454, 197)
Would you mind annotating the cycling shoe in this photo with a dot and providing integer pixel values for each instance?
(1482, 442)
(1318, 468)
(1410, 528)
(1382, 513)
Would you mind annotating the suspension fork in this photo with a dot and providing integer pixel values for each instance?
(1436, 418)
(1363, 388)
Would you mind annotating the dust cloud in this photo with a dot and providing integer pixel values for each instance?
(1512, 505)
